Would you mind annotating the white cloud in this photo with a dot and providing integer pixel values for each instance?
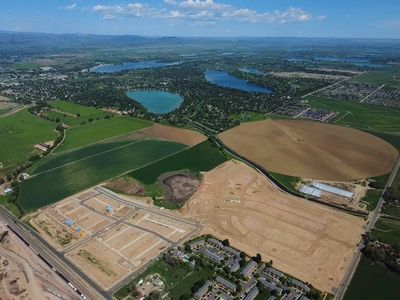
(208, 11)
(321, 18)
(72, 6)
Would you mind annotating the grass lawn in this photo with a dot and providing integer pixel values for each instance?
(387, 231)
(18, 133)
(380, 77)
(392, 210)
(380, 180)
(202, 157)
(4, 200)
(56, 184)
(90, 133)
(363, 116)
(178, 281)
(371, 198)
(289, 182)
(248, 117)
(373, 281)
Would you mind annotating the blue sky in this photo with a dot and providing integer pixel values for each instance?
(310, 18)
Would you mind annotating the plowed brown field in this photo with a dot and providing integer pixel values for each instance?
(173, 134)
(312, 150)
(304, 239)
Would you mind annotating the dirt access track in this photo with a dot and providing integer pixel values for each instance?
(173, 134)
(311, 149)
(307, 240)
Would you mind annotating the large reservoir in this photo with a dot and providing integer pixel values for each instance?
(226, 80)
(157, 102)
(131, 66)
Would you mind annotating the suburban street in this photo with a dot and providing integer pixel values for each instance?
(372, 219)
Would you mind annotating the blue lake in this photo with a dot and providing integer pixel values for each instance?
(251, 71)
(131, 66)
(157, 102)
(225, 80)
(357, 61)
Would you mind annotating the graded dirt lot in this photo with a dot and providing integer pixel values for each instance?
(111, 237)
(125, 185)
(23, 275)
(179, 186)
(311, 150)
(173, 134)
(304, 239)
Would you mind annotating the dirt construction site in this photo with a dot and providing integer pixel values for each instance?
(312, 150)
(109, 237)
(307, 240)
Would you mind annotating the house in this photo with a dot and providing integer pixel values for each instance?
(226, 283)
(271, 286)
(8, 191)
(195, 244)
(232, 251)
(215, 243)
(215, 257)
(300, 285)
(274, 273)
(249, 269)
(203, 290)
(252, 294)
(234, 265)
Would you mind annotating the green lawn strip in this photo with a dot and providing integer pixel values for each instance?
(289, 182)
(248, 117)
(19, 132)
(362, 116)
(380, 181)
(98, 131)
(177, 280)
(56, 184)
(387, 231)
(57, 160)
(77, 109)
(392, 210)
(379, 77)
(371, 198)
(373, 281)
(202, 157)
(4, 200)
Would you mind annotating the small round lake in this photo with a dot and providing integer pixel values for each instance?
(226, 80)
(156, 102)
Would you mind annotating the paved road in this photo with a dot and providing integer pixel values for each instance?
(372, 219)
(57, 260)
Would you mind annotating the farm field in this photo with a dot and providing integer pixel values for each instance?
(387, 231)
(108, 237)
(90, 133)
(307, 240)
(372, 198)
(311, 150)
(19, 133)
(362, 116)
(202, 157)
(380, 77)
(173, 134)
(373, 281)
(70, 178)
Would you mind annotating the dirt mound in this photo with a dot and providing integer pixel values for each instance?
(179, 186)
(307, 240)
(125, 185)
(173, 134)
(311, 149)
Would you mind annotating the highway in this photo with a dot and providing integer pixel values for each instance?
(372, 219)
(81, 283)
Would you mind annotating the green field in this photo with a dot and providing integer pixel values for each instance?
(19, 132)
(248, 117)
(372, 281)
(90, 133)
(371, 198)
(202, 157)
(178, 281)
(387, 231)
(67, 179)
(289, 182)
(362, 116)
(380, 77)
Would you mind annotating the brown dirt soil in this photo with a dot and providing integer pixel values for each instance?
(178, 186)
(312, 150)
(173, 134)
(126, 185)
(307, 240)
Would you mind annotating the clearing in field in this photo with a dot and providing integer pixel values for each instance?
(173, 134)
(306, 240)
(312, 150)
(108, 237)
